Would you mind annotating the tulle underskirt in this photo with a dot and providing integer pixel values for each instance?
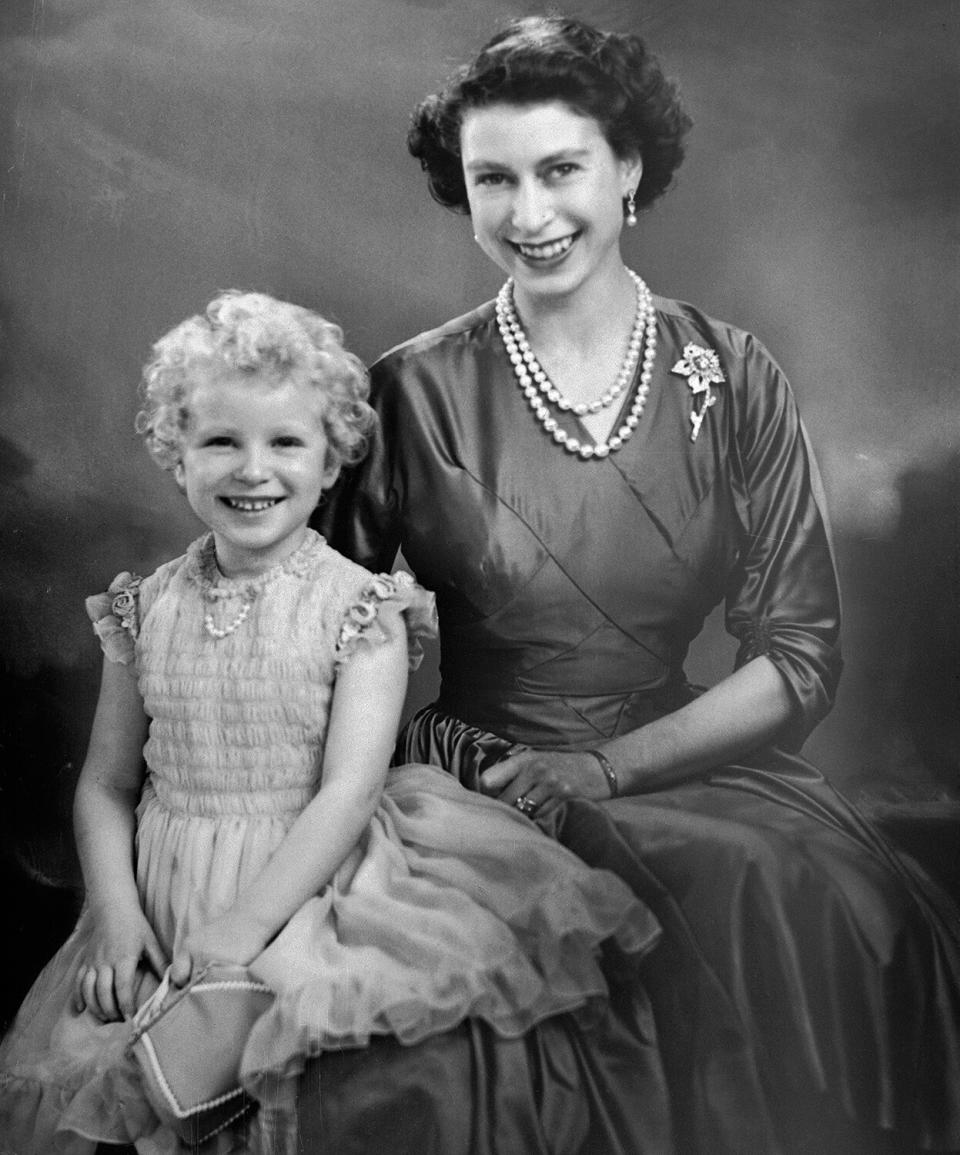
(452, 907)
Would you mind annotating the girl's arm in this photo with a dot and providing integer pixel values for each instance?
(106, 798)
(364, 716)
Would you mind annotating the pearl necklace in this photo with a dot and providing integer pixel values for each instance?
(215, 594)
(537, 386)
(214, 587)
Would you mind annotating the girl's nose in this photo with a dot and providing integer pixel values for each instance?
(532, 207)
(252, 468)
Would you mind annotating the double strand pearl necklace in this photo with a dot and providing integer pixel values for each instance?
(537, 387)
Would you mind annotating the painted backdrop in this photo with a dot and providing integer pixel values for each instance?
(154, 153)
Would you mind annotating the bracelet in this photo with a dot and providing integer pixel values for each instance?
(608, 771)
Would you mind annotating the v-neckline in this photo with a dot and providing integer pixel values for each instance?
(622, 412)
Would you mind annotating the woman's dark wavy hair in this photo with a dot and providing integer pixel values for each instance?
(605, 75)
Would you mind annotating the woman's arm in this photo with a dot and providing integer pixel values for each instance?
(364, 717)
(104, 819)
(743, 711)
(738, 714)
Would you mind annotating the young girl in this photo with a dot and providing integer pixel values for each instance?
(260, 677)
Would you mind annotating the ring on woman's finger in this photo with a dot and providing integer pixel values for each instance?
(526, 806)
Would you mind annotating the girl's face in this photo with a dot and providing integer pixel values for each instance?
(253, 465)
(546, 194)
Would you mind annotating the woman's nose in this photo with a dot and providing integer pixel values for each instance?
(532, 207)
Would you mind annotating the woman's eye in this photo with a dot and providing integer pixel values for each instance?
(564, 169)
(489, 179)
(219, 442)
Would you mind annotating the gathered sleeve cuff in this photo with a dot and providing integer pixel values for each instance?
(362, 623)
(783, 602)
(115, 615)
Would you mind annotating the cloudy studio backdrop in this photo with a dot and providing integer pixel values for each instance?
(154, 153)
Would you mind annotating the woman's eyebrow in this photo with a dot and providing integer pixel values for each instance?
(565, 154)
(551, 158)
(481, 163)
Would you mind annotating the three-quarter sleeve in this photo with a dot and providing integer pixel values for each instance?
(782, 600)
(360, 516)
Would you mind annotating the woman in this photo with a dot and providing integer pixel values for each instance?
(582, 471)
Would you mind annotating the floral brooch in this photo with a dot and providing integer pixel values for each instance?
(701, 367)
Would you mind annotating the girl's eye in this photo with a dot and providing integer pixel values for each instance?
(218, 442)
(288, 441)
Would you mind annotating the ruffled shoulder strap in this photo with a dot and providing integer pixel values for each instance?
(361, 622)
(116, 617)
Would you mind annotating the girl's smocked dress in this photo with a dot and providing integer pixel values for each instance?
(452, 906)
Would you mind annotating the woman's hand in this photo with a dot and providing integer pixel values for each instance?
(123, 966)
(235, 938)
(544, 779)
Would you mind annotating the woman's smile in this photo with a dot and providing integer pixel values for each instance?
(543, 251)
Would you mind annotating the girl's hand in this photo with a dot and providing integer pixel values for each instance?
(544, 779)
(123, 965)
(234, 937)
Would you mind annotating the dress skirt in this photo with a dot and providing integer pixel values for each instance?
(562, 1089)
(453, 909)
(817, 1006)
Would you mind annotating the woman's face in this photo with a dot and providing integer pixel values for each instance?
(546, 194)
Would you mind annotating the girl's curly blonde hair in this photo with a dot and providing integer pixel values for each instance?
(256, 333)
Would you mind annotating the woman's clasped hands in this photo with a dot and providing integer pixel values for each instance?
(536, 782)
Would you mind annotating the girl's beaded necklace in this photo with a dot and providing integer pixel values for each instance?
(540, 391)
(215, 588)
(214, 594)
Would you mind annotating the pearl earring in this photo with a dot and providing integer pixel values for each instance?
(631, 209)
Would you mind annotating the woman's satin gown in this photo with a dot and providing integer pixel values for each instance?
(807, 989)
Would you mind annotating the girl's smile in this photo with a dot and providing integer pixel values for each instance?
(253, 465)
(249, 505)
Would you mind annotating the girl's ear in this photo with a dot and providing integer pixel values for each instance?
(330, 473)
(180, 477)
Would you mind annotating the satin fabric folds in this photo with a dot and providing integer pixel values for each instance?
(806, 989)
